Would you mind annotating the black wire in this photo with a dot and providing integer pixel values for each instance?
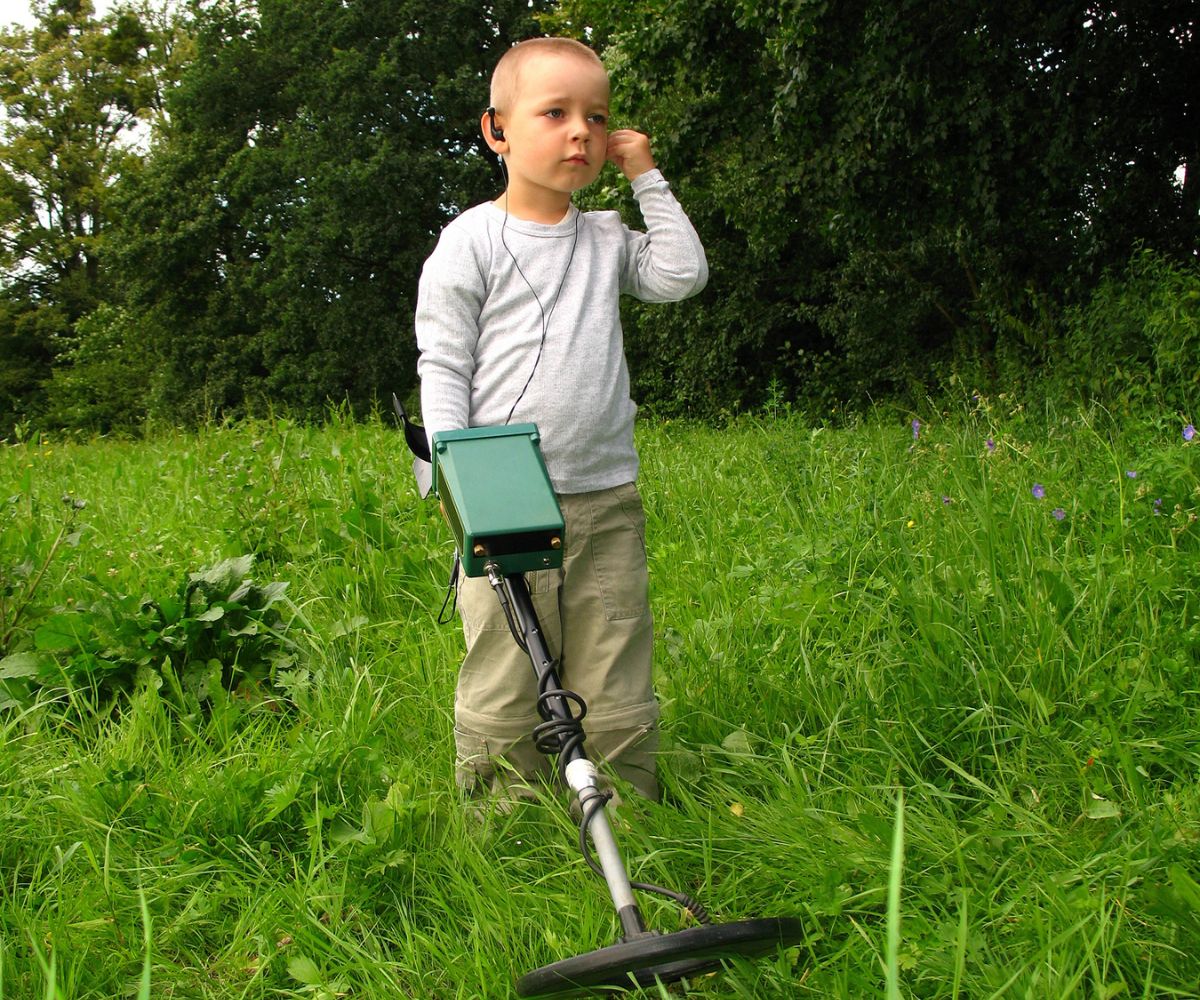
(451, 598)
(595, 804)
(506, 607)
(541, 309)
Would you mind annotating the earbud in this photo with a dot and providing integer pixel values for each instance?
(497, 133)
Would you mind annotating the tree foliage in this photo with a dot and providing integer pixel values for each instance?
(315, 150)
(73, 88)
(886, 187)
(887, 191)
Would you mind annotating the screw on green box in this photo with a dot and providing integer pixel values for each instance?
(497, 498)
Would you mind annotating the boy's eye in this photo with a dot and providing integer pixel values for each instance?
(596, 119)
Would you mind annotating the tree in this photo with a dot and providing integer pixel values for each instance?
(273, 243)
(895, 186)
(74, 87)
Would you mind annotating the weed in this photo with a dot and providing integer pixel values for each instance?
(219, 632)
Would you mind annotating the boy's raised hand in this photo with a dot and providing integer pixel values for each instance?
(630, 151)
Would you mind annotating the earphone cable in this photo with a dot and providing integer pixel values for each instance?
(541, 309)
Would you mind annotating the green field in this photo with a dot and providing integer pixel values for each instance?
(933, 691)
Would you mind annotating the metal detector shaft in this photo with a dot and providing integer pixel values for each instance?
(578, 769)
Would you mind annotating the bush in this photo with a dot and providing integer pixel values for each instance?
(1137, 338)
(100, 382)
(219, 632)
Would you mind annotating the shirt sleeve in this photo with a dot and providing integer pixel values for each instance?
(667, 262)
(450, 297)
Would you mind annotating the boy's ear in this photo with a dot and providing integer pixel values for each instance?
(492, 133)
(497, 133)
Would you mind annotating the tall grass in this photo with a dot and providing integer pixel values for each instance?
(848, 619)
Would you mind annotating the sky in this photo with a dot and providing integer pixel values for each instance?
(18, 11)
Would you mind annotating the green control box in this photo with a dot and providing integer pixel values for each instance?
(497, 498)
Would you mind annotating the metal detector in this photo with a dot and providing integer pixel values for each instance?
(497, 498)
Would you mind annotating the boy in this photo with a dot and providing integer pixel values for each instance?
(517, 321)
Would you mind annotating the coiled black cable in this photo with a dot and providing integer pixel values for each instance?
(555, 735)
(564, 736)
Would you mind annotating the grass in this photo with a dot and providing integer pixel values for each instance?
(902, 700)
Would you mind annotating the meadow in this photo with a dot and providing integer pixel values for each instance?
(929, 682)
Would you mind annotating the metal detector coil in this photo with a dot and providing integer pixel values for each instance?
(497, 498)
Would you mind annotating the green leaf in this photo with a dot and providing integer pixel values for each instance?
(1058, 590)
(1186, 887)
(148, 678)
(208, 684)
(343, 832)
(348, 625)
(282, 795)
(62, 632)
(304, 970)
(737, 743)
(13, 694)
(19, 665)
(389, 860)
(225, 575)
(379, 820)
(272, 592)
(1102, 809)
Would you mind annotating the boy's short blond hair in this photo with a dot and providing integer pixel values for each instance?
(506, 76)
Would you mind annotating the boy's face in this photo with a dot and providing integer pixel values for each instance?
(555, 132)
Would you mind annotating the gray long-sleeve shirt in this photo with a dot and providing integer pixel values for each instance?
(480, 326)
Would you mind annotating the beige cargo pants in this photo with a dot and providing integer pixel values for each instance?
(595, 616)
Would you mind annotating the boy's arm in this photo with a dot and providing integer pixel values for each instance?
(449, 299)
(667, 262)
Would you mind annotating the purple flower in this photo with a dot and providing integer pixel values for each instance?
(991, 445)
(1131, 473)
(916, 426)
(1059, 513)
(946, 500)
(1158, 507)
(1039, 491)
(1189, 432)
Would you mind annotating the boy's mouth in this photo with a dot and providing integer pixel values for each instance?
(579, 159)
